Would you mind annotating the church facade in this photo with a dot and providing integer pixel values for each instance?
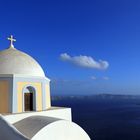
(20, 94)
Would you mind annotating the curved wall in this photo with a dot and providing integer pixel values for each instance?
(61, 130)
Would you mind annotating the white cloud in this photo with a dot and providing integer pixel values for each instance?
(85, 61)
(106, 78)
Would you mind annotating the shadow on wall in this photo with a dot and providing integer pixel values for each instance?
(9, 132)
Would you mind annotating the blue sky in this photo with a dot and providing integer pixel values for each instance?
(84, 46)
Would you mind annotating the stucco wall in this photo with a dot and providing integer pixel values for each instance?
(20, 87)
(61, 130)
(48, 100)
(4, 96)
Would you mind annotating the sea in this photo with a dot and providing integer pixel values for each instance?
(104, 116)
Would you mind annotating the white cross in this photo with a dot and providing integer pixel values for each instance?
(11, 40)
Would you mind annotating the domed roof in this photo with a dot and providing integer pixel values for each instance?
(13, 61)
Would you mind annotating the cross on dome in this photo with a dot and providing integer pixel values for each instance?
(11, 41)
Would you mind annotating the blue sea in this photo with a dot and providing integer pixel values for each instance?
(105, 117)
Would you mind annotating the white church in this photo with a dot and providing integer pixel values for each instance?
(25, 103)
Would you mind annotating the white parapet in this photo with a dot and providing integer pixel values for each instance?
(55, 112)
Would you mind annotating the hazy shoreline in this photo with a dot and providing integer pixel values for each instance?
(101, 96)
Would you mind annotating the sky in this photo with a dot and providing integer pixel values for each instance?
(84, 46)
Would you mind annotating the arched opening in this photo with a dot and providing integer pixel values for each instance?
(29, 99)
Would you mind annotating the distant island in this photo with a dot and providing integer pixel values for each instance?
(95, 96)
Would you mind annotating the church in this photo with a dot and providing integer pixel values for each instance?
(25, 102)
